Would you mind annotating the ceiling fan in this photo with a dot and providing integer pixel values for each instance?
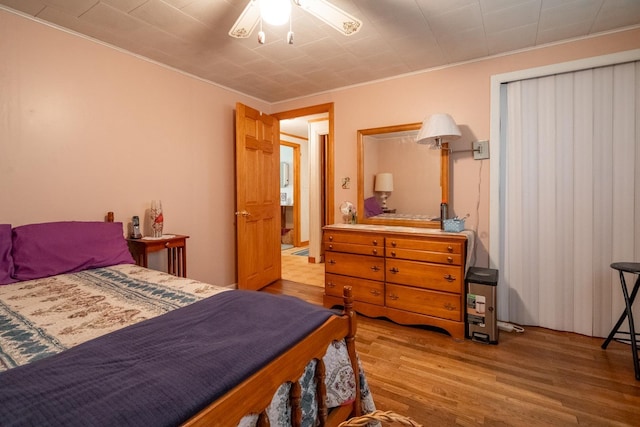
(258, 10)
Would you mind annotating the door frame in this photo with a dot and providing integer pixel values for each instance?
(327, 108)
(296, 190)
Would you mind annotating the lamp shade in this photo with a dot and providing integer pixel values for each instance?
(438, 126)
(384, 182)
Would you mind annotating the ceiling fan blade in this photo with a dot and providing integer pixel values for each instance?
(247, 21)
(331, 15)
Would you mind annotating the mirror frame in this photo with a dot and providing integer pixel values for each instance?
(444, 178)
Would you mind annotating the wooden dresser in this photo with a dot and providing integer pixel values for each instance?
(413, 276)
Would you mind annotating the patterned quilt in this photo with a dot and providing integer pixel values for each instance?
(46, 316)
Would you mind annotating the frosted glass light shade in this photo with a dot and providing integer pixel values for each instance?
(438, 126)
(384, 182)
(275, 12)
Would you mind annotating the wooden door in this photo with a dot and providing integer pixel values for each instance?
(257, 198)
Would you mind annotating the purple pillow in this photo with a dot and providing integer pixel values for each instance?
(372, 207)
(41, 250)
(6, 260)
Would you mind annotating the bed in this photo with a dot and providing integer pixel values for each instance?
(89, 338)
(374, 212)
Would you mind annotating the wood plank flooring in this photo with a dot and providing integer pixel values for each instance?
(537, 378)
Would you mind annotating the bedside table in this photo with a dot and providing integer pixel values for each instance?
(176, 246)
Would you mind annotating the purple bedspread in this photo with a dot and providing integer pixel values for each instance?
(159, 372)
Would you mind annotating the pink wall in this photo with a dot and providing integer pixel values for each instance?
(462, 91)
(85, 129)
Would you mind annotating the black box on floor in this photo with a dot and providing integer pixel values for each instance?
(481, 314)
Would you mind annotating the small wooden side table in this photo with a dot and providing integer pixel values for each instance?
(176, 246)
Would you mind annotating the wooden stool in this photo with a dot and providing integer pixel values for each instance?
(633, 268)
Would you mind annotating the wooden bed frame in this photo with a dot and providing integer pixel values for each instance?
(254, 395)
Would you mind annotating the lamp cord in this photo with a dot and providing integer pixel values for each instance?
(510, 327)
(477, 225)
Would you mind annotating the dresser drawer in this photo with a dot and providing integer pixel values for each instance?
(432, 303)
(423, 275)
(425, 245)
(366, 267)
(367, 291)
(426, 256)
(354, 248)
(371, 239)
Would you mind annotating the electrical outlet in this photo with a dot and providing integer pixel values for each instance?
(480, 150)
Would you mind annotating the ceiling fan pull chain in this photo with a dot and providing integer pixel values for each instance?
(261, 36)
(290, 33)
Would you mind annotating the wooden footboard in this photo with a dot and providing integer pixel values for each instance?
(254, 394)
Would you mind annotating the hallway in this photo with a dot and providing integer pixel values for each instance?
(297, 268)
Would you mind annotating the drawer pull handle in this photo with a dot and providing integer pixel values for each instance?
(330, 247)
(375, 268)
(449, 259)
(375, 252)
(449, 278)
(374, 292)
(393, 243)
(332, 261)
(394, 270)
(375, 242)
(166, 245)
(450, 248)
(393, 253)
(331, 285)
(449, 307)
(393, 296)
(331, 238)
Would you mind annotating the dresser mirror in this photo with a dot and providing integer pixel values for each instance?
(416, 174)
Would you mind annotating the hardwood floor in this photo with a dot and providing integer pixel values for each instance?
(537, 378)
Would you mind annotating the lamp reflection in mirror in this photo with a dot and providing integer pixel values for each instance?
(384, 185)
(436, 128)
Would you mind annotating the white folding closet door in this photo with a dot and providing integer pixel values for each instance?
(571, 205)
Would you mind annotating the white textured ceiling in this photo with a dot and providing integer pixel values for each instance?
(397, 36)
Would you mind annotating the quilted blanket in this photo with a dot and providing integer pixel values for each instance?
(171, 365)
(42, 317)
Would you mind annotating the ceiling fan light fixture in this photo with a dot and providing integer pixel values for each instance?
(275, 12)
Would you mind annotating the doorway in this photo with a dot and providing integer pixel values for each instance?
(312, 126)
(294, 196)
